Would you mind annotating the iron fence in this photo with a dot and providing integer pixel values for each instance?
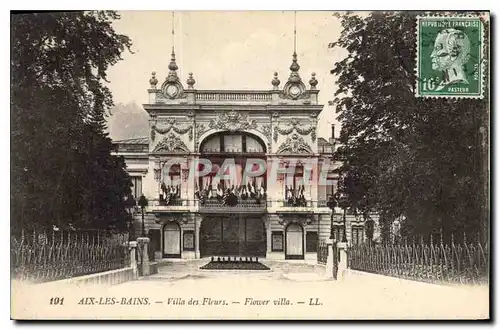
(322, 256)
(465, 263)
(43, 257)
(322, 253)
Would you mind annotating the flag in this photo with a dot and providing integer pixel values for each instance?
(197, 191)
(220, 193)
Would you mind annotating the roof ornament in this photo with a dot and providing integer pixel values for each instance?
(172, 87)
(153, 81)
(172, 66)
(313, 81)
(294, 67)
(294, 87)
(275, 82)
(190, 81)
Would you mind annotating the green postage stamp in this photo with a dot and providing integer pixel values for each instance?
(450, 56)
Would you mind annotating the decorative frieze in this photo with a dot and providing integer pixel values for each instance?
(200, 129)
(171, 125)
(294, 125)
(266, 130)
(171, 143)
(232, 121)
(303, 219)
(294, 145)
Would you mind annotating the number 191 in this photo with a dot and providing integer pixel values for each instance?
(56, 301)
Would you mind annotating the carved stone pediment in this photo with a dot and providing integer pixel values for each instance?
(303, 219)
(294, 145)
(232, 121)
(171, 143)
(182, 219)
(294, 125)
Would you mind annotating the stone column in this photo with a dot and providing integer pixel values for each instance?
(267, 223)
(143, 242)
(329, 259)
(132, 246)
(342, 246)
(197, 227)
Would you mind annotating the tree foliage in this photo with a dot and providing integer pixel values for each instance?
(424, 159)
(62, 169)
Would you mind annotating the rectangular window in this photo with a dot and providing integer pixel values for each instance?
(357, 235)
(294, 187)
(136, 187)
(311, 241)
(233, 143)
(331, 189)
(188, 240)
(171, 186)
(277, 241)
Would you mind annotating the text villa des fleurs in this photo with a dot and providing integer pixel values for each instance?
(247, 302)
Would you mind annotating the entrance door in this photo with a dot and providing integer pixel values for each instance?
(171, 240)
(294, 242)
(235, 235)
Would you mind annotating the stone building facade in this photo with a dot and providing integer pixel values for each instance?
(275, 216)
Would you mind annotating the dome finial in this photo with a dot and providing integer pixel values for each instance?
(294, 32)
(313, 81)
(153, 81)
(190, 81)
(173, 66)
(294, 67)
(275, 82)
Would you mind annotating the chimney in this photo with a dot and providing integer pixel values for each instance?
(332, 138)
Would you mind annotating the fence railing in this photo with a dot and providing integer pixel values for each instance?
(322, 253)
(50, 256)
(322, 256)
(464, 263)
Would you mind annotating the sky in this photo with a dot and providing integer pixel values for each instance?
(227, 50)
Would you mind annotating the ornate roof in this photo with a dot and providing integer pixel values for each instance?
(139, 140)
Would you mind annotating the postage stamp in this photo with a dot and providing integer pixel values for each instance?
(450, 57)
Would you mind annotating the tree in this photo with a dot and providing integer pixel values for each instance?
(62, 168)
(421, 158)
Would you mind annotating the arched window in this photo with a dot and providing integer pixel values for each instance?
(229, 142)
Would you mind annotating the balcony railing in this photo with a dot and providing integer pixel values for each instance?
(233, 96)
(172, 205)
(173, 202)
(241, 205)
(322, 203)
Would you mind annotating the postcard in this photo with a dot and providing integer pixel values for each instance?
(250, 165)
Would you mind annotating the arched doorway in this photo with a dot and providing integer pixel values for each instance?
(294, 241)
(171, 240)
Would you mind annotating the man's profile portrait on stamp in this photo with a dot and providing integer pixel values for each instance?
(451, 52)
(450, 56)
